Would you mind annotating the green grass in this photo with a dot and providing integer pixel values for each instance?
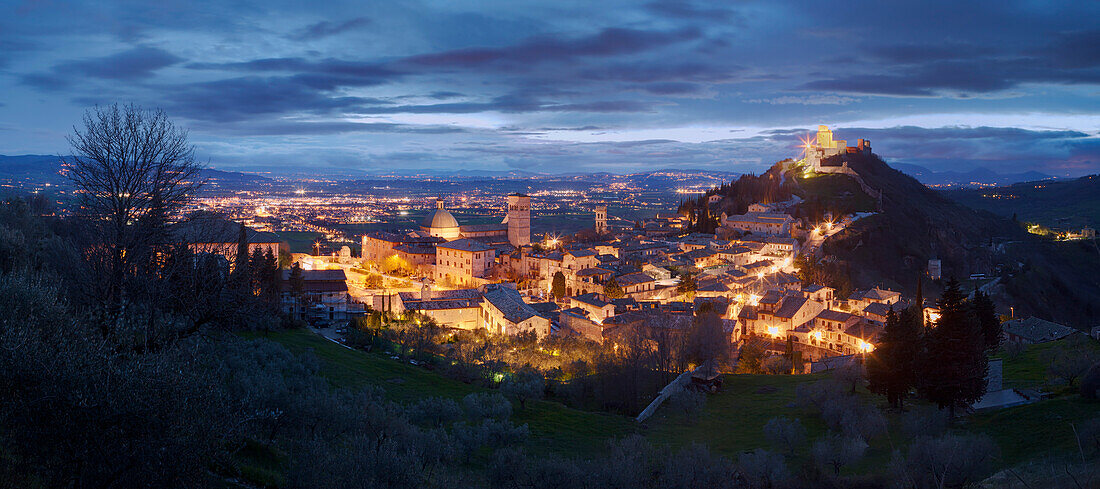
(829, 187)
(1035, 430)
(732, 421)
(554, 427)
(300, 241)
(1029, 370)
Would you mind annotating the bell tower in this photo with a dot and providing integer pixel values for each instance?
(519, 219)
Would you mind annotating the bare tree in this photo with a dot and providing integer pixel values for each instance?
(837, 451)
(785, 434)
(133, 170)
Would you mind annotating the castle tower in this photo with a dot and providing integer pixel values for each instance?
(519, 219)
(601, 219)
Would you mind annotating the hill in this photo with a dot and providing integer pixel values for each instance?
(915, 224)
(35, 170)
(1055, 204)
(891, 248)
(972, 178)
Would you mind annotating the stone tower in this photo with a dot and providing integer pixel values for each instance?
(519, 219)
(601, 219)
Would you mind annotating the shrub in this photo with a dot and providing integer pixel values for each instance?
(434, 412)
(1090, 383)
(762, 469)
(836, 452)
(776, 365)
(690, 402)
(947, 461)
(486, 405)
(785, 434)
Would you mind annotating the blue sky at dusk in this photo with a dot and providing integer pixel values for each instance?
(566, 86)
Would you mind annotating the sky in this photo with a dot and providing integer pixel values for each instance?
(333, 88)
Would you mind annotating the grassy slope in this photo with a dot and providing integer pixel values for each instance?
(299, 241)
(554, 427)
(829, 188)
(732, 421)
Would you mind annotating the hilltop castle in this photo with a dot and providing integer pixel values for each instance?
(824, 146)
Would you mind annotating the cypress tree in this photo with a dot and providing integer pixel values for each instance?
(557, 285)
(891, 368)
(241, 275)
(987, 318)
(954, 364)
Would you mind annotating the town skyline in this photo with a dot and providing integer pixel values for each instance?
(559, 88)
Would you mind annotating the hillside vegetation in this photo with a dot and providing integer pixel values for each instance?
(1062, 203)
(1039, 277)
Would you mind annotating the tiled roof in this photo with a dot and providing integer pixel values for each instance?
(470, 245)
(791, 305)
(415, 249)
(210, 230)
(318, 275)
(1037, 330)
(434, 305)
(877, 308)
(443, 294)
(480, 228)
(633, 279)
(592, 299)
(510, 304)
(831, 315)
(592, 271)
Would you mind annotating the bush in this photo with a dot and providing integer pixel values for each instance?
(1071, 359)
(434, 412)
(1089, 436)
(836, 452)
(925, 421)
(776, 365)
(689, 402)
(947, 461)
(785, 434)
(1090, 383)
(490, 405)
(762, 469)
(1013, 349)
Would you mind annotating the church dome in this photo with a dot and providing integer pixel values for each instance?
(440, 219)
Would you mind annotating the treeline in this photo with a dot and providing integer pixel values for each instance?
(945, 362)
(620, 377)
(737, 195)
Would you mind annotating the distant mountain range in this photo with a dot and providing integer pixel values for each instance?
(39, 169)
(1061, 204)
(972, 178)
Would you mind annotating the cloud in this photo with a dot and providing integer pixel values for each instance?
(514, 103)
(807, 100)
(302, 128)
(137, 63)
(683, 9)
(132, 65)
(241, 98)
(966, 69)
(325, 29)
(612, 41)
